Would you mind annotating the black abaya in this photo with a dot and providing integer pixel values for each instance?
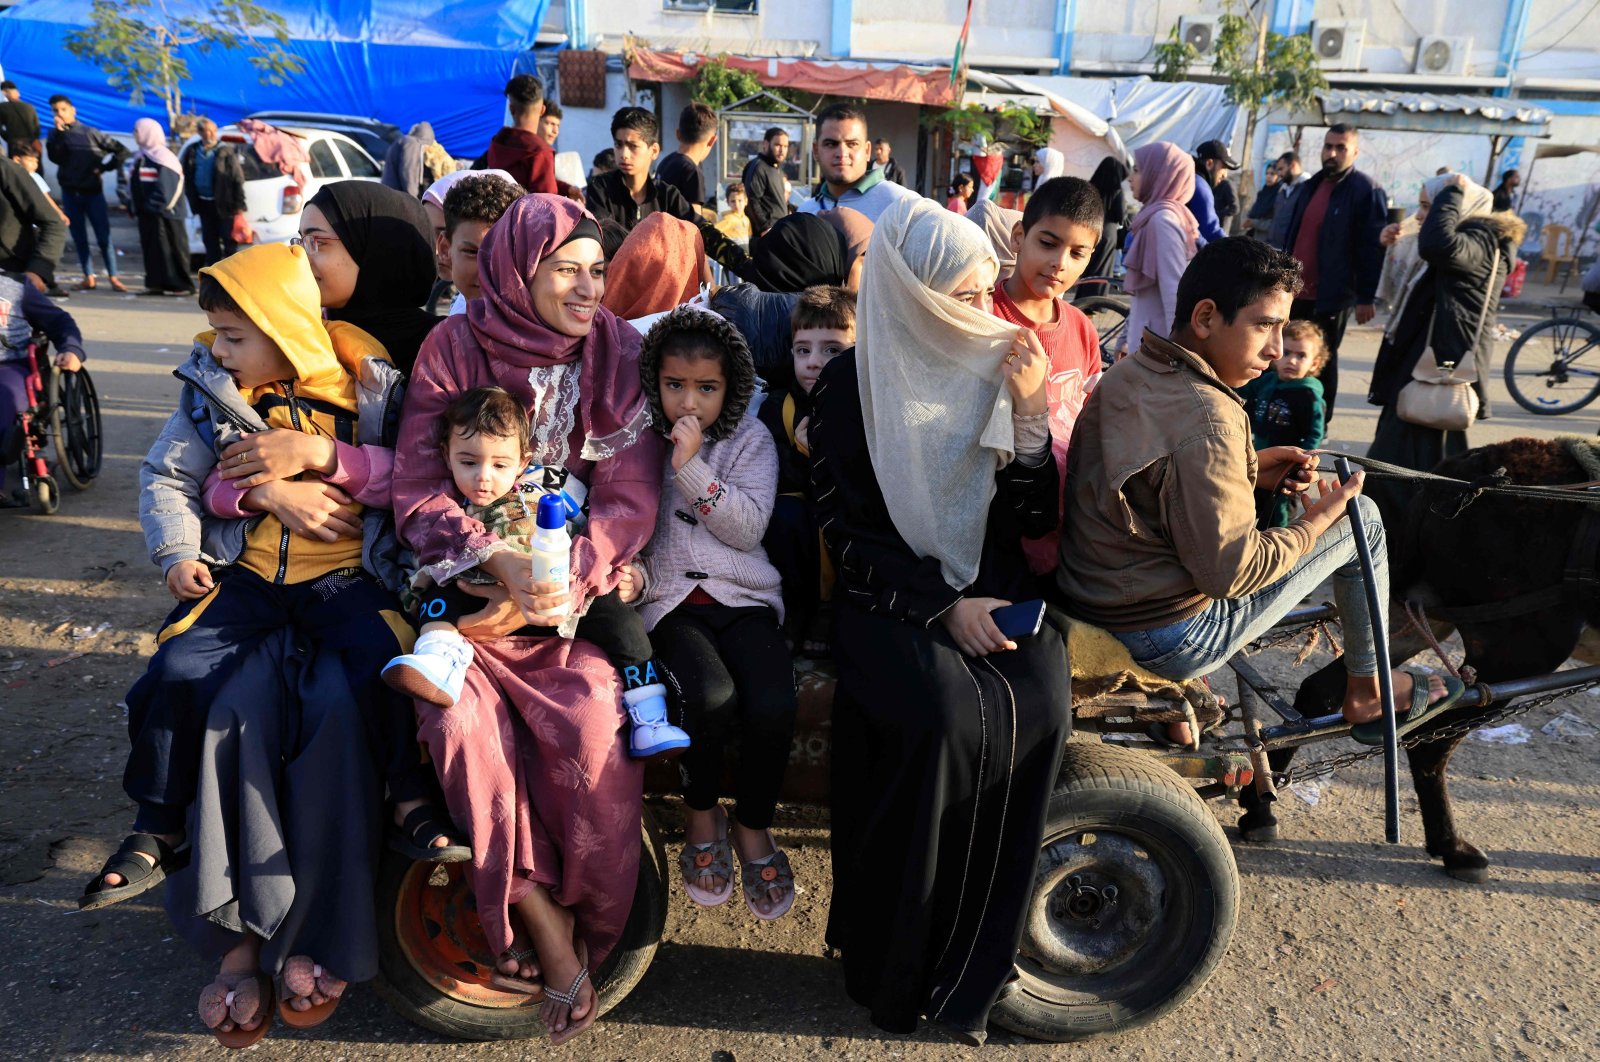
(166, 253)
(943, 764)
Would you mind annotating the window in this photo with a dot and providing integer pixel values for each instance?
(323, 164)
(356, 161)
(725, 7)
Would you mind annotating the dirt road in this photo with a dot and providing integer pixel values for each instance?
(1346, 948)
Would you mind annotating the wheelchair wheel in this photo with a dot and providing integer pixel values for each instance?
(46, 496)
(75, 423)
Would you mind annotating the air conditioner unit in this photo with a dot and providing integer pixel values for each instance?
(1200, 33)
(1338, 43)
(1443, 56)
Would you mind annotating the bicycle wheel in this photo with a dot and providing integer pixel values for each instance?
(1109, 315)
(1554, 367)
(440, 298)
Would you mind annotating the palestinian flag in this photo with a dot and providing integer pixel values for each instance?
(958, 63)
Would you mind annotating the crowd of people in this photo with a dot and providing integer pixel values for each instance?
(460, 577)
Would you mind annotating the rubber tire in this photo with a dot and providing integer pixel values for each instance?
(93, 447)
(1577, 325)
(46, 496)
(411, 996)
(1118, 790)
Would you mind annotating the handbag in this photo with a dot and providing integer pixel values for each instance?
(1440, 395)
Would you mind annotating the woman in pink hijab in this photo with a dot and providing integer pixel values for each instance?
(533, 756)
(155, 188)
(1161, 239)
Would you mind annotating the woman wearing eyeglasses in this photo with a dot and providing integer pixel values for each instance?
(371, 250)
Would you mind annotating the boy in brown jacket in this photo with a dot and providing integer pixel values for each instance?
(1159, 544)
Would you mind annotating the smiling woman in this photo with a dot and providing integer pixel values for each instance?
(539, 722)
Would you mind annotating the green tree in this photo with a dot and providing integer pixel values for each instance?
(137, 43)
(1262, 71)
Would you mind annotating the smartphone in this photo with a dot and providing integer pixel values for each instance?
(1021, 620)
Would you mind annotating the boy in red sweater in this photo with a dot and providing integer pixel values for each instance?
(1053, 243)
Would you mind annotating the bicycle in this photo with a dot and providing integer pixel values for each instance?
(1564, 352)
(1108, 312)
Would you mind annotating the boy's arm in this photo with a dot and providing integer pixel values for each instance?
(36, 209)
(542, 172)
(737, 505)
(53, 321)
(170, 483)
(106, 144)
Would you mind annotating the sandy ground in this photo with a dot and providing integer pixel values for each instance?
(1346, 948)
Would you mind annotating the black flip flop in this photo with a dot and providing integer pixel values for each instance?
(1417, 712)
(137, 875)
(414, 838)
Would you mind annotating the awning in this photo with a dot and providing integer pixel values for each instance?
(699, 44)
(1423, 112)
(893, 82)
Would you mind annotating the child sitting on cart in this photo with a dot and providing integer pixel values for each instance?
(25, 310)
(1162, 548)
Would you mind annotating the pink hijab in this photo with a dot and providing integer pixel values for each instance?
(152, 141)
(1166, 184)
(517, 341)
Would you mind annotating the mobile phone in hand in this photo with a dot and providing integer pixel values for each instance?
(1021, 620)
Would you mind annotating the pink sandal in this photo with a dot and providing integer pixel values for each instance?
(715, 860)
(761, 876)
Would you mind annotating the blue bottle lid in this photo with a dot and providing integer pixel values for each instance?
(552, 514)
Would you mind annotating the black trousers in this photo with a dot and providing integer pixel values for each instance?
(730, 666)
(216, 232)
(1333, 326)
(611, 624)
(203, 642)
(166, 253)
(793, 546)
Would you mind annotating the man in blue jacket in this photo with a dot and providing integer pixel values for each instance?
(1211, 165)
(1333, 230)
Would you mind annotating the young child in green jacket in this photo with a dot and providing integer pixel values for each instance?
(1286, 408)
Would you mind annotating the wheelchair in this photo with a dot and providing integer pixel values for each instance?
(62, 412)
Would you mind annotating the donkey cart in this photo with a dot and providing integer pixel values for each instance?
(1136, 894)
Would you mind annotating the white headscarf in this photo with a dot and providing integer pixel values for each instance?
(933, 395)
(1052, 164)
(1476, 200)
(441, 188)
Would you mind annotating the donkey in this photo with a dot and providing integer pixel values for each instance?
(1496, 549)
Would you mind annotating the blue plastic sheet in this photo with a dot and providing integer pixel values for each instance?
(402, 61)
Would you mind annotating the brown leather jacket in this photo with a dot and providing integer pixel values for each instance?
(1160, 506)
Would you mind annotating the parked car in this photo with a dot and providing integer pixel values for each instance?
(273, 200)
(373, 136)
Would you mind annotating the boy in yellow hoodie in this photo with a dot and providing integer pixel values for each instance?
(266, 502)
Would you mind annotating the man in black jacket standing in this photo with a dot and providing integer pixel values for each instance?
(213, 181)
(621, 198)
(80, 153)
(767, 201)
(1333, 231)
(32, 236)
(883, 158)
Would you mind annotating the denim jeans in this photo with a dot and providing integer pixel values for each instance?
(1201, 644)
(85, 210)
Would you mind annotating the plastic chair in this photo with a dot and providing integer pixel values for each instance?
(1557, 251)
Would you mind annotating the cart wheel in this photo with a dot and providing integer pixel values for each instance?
(1135, 902)
(46, 497)
(434, 964)
(75, 423)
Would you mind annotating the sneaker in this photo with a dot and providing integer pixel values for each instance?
(434, 670)
(653, 738)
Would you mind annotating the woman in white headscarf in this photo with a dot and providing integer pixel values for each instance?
(931, 460)
(1447, 308)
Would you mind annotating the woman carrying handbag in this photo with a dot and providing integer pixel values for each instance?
(1429, 374)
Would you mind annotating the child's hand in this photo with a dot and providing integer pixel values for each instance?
(686, 439)
(802, 436)
(189, 580)
(276, 454)
(627, 585)
(309, 508)
(1025, 368)
(68, 361)
(540, 603)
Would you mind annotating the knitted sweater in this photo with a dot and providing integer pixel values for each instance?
(713, 513)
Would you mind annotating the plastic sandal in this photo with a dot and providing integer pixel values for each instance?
(303, 967)
(758, 876)
(511, 982)
(238, 1038)
(714, 860)
(1416, 713)
(138, 875)
(414, 838)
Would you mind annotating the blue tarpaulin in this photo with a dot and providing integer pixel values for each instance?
(402, 61)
